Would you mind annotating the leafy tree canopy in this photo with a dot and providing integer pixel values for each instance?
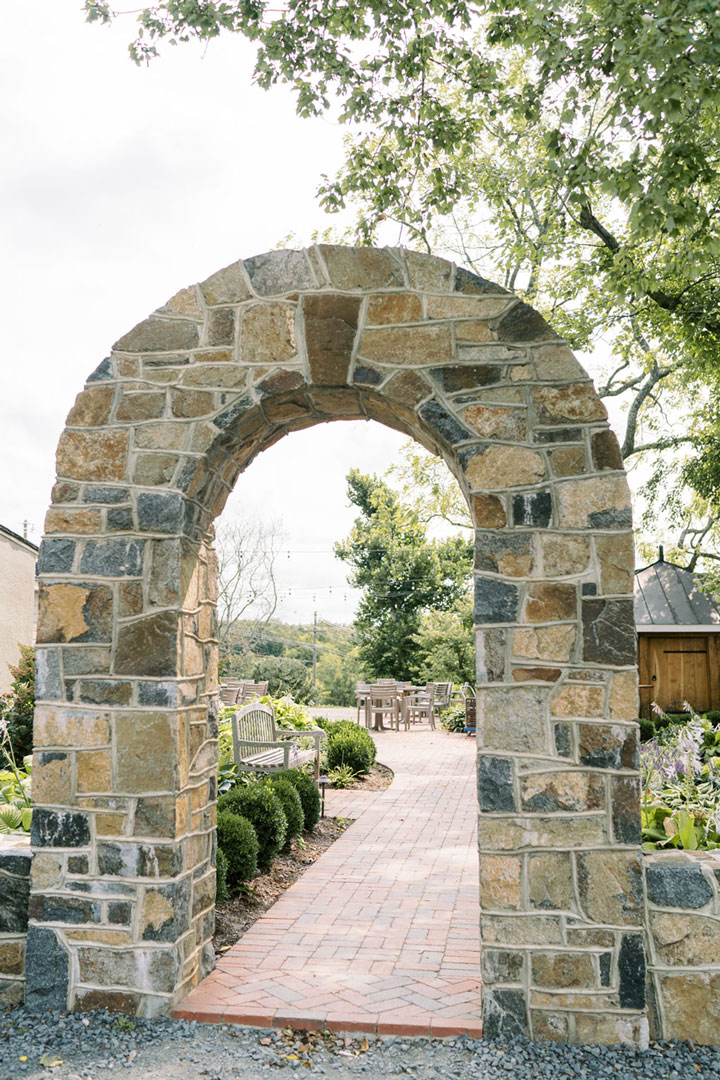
(402, 574)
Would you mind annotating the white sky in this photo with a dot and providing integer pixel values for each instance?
(120, 185)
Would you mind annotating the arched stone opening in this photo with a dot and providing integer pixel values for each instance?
(124, 777)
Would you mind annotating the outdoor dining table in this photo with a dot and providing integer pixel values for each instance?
(400, 692)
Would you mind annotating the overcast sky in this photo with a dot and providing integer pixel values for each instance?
(119, 186)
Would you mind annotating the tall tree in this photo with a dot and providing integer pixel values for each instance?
(402, 574)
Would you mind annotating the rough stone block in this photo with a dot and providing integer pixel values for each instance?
(495, 784)
(605, 746)
(625, 808)
(551, 603)
(488, 512)
(490, 655)
(550, 881)
(159, 335)
(220, 327)
(443, 423)
(595, 502)
(361, 268)
(568, 404)
(394, 308)
(148, 646)
(568, 461)
(47, 971)
(93, 455)
(611, 886)
(532, 508)
(497, 422)
(508, 554)
(113, 558)
(495, 601)
(563, 971)
(497, 467)
(562, 790)
(513, 718)
(616, 555)
(59, 828)
(606, 451)
(227, 286)
(676, 882)
(146, 752)
(563, 555)
(279, 272)
(500, 882)
(414, 346)
(92, 407)
(52, 778)
(504, 1014)
(578, 701)
(631, 971)
(609, 635)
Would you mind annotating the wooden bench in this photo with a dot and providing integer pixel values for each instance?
(260, 746)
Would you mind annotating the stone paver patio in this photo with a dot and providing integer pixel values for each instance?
(381, 933)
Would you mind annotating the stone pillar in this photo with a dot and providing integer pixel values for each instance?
(558, 783)
(124, 785)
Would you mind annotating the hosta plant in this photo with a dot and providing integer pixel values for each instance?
(681, 786)
(15, 791)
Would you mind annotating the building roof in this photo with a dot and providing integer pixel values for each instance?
(667, 595)
(19, 539)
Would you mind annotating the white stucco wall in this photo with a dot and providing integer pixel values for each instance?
(17, 603)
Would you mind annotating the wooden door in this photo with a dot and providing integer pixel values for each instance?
(679, 670)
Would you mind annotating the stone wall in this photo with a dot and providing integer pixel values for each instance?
(683, 933)
(126, 737)
(14, 899)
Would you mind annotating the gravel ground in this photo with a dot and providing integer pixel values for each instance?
(98, 1045)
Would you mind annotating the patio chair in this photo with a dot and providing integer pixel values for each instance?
(418, 707)
(361, 694)
(382, 702)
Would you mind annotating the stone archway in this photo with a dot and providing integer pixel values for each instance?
(124, 781)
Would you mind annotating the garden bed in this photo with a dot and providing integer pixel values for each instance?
(233, 917)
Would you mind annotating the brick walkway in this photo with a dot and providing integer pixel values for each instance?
(381, 933)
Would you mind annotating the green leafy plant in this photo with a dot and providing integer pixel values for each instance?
(262, 807)
(342, 776)
(238, 842)
(681, 785)
(15, 788)
(307, 789)
(17, 710)
(453, 718)
(292, 806)
(354, 748)
(222, 891)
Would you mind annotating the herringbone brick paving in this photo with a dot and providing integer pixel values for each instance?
(381, 933)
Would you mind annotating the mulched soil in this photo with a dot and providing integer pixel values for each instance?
(235, 916)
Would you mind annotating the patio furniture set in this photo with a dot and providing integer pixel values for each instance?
(399, 703)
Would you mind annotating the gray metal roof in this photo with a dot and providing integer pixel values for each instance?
(669, 595)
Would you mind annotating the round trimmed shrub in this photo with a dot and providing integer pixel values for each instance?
(221, 886)
(238, 846)
(263, 809)
(290, 799)
(337, 729)
(307, 789)
(352, 751)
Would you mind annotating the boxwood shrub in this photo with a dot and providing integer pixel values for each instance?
(307, 789)
(221, 886)
(353, 750)
(238, 847)
(263, 809)
(290, 799)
